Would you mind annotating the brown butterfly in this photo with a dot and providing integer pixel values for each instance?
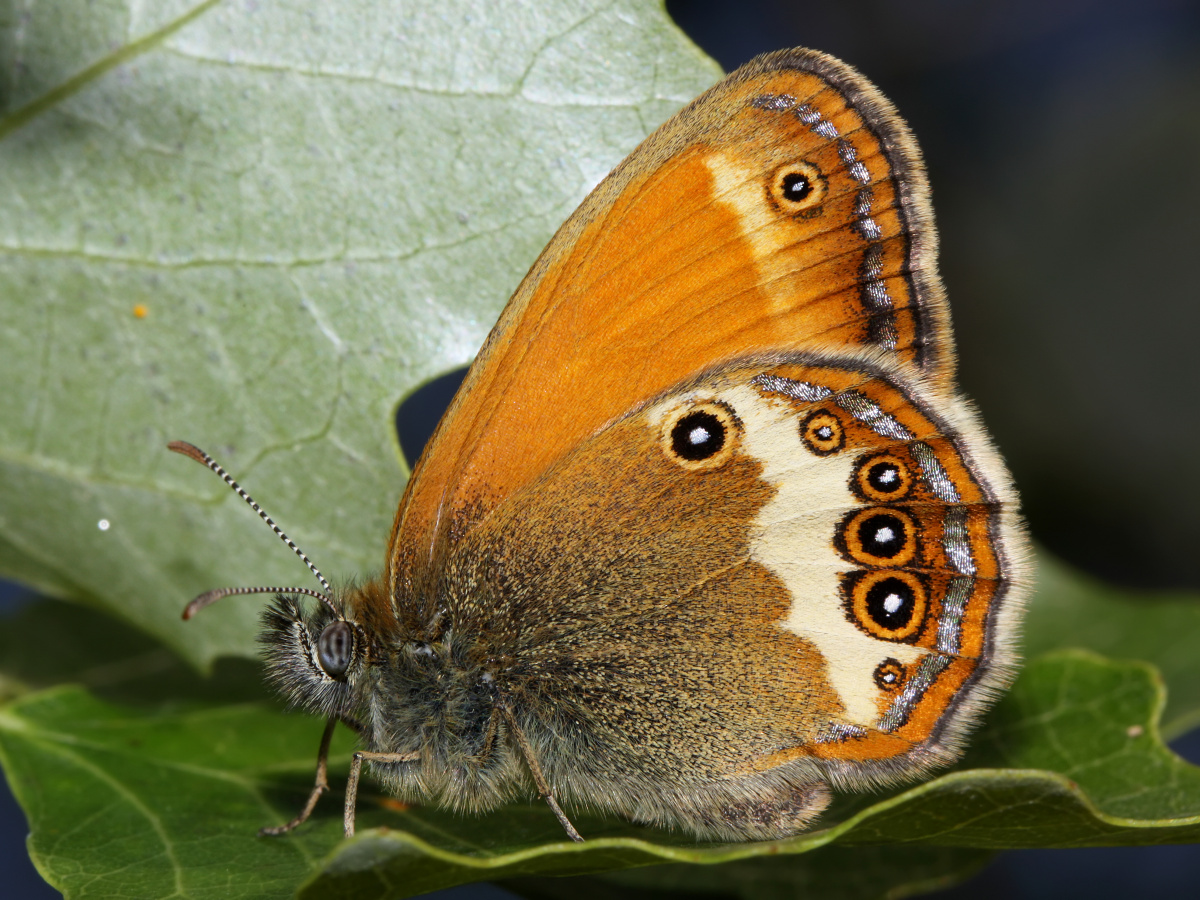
(708, 530)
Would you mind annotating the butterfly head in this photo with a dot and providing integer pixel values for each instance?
(318, 659)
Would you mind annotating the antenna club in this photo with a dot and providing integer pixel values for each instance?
(204, 600)
(189, 450)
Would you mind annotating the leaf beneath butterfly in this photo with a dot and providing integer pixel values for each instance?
(1071, 609)
(259, 226)
(133, 794)
(832, 872)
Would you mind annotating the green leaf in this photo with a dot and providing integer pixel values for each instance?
(49, 643)
(1071, 609)
(832, 872)
(1072, 757)
(317, 207)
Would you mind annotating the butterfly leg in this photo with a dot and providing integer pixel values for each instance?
(319, 788)
(538, 778)
(356, 770)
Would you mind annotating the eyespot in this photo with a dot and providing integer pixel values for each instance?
(889, 605)
(701, 435)
(889, 675)
(879, 537)
(881, 478)
(822, 433)
(335, 648)
(797, 188)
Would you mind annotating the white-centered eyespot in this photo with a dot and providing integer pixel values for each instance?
(889, 675)
(700, 435)
(882, 477)
(822, 433)
(797, 189)
(889, 605)
(879, 536)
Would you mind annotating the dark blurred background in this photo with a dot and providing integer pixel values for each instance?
(1063, 145)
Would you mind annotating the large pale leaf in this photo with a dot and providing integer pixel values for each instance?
(258, 226)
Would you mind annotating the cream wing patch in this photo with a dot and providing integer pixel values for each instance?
(740, 187)
(793, 538)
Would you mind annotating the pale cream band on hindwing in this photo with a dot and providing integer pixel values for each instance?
(793, 537)
(956, 543)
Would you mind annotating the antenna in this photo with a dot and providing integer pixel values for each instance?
(193, 452)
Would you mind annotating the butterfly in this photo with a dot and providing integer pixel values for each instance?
(708, 530)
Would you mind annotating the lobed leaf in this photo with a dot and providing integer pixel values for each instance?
(1071, 609)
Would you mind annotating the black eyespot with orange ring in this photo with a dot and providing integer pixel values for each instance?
(700, 435)
(823, 433)
(881, 478)
(797, 189)
(879, 536)
(888, 604)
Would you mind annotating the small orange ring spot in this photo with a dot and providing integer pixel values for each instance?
(822, 433)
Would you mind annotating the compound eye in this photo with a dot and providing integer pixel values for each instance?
(335, 648)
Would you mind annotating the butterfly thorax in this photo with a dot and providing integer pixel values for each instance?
(426, 685)
(435, 696)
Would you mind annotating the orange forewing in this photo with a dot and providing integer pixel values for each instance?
(678, 262)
